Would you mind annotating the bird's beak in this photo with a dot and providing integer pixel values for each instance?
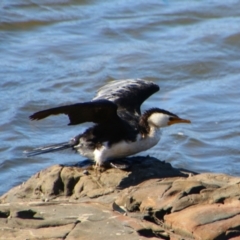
(174, 120)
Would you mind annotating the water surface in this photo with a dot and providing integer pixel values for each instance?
(60, 51)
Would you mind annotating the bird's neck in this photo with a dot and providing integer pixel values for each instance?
(147, 129)
(153, 130)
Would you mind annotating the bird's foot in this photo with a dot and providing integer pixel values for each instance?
(98, 170)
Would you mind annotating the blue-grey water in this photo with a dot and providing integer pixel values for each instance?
(55, 52)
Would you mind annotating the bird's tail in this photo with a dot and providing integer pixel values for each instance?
(49, 148)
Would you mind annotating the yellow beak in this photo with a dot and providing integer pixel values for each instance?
(178, 120)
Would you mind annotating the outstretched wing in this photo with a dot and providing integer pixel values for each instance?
(127, 94)
(100, 111)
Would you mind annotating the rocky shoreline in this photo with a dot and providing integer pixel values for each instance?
(149, 200)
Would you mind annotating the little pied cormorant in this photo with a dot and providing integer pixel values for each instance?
(120, 129)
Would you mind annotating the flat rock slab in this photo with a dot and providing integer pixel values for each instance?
(150, 199)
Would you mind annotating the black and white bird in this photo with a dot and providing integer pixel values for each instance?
(120, 129)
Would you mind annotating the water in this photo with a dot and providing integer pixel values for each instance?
(59, 52)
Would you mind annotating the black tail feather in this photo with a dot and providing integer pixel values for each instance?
(49, 148)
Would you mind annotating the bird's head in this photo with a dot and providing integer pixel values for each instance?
(161, 118)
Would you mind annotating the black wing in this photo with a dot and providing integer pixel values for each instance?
(127, 94)
(101, 111)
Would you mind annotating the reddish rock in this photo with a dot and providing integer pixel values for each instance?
(207, 221)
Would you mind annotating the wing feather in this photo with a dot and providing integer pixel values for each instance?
(127, 94)
(100, 111)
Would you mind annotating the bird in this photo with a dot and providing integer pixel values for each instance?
(119, 128)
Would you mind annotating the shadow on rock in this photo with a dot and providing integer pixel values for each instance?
(146, 168)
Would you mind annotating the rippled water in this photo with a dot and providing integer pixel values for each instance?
(58, 52)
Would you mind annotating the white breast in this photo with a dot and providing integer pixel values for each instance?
(123, 148)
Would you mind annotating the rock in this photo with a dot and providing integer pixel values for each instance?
(150, 199)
